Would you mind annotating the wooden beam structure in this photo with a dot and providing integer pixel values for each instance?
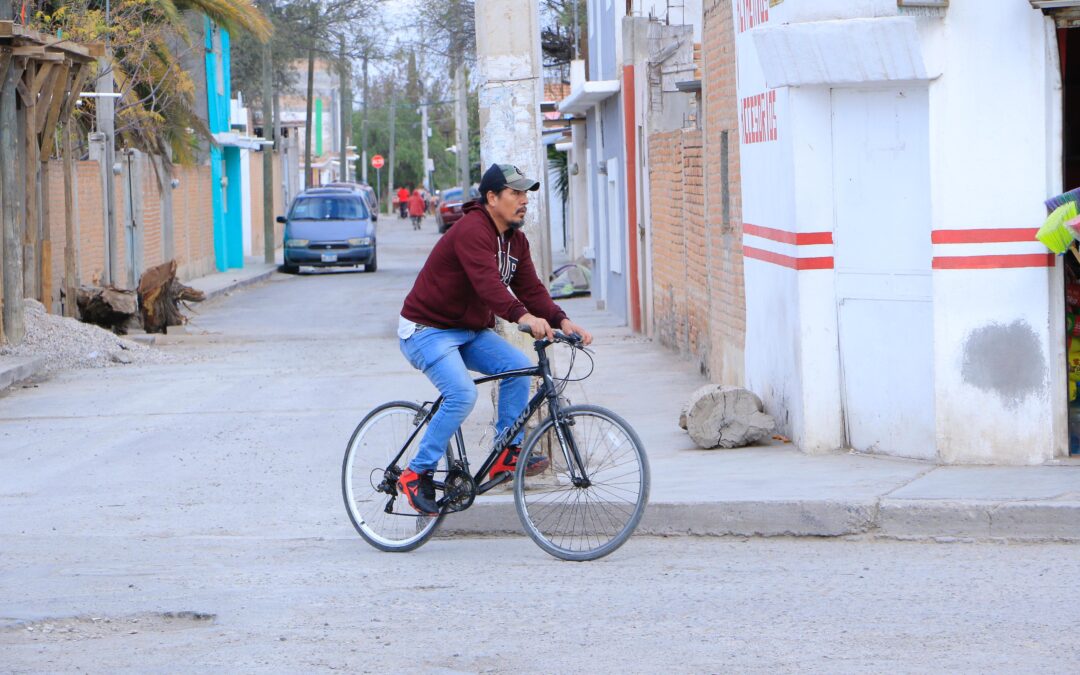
(40, 80)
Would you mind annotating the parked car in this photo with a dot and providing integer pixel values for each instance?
(449, 211)
(364, 189)
(329, 227)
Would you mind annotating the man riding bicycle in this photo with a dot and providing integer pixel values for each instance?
(479, 269)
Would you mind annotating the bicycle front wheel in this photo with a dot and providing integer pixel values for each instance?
(583, 517)
(385, 520)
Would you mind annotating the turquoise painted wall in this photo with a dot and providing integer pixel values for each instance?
(224, 162)
(234, 221)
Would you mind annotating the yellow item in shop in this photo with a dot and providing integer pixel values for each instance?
(1054, 233)
(1074, 367)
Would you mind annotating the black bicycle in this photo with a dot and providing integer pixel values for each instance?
(583, 506)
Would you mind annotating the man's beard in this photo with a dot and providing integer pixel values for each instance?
(516, 224)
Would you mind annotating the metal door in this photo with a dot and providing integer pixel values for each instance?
(882, 265)
(133, 215)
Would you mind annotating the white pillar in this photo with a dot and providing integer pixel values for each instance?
(508, 56)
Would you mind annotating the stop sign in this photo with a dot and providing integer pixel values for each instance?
(377, 162)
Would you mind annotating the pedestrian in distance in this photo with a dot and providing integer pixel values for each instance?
(417, 206)
(403, 201)
(480, 269)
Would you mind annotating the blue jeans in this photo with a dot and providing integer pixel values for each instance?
(446, 357)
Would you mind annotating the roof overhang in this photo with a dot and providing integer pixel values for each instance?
(229, 139)
(583, 98)
(1054, 4)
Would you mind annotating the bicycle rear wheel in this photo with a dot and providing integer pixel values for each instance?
(376, 440)
(583, 520)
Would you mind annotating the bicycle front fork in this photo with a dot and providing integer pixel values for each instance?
(579, 477)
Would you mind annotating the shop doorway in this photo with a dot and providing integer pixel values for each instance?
(1069, 55)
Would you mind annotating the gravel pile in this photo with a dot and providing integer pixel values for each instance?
(67, 343)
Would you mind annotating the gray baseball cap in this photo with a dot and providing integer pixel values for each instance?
(499, 175)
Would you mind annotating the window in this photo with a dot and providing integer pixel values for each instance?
(328, 208)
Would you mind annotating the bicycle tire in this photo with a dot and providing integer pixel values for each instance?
(584, 522)
(370, 449)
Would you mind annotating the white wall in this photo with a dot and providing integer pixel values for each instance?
(998, 365)
(772, 289)
(994, 154)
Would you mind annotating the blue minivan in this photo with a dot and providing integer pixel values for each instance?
(329, 227)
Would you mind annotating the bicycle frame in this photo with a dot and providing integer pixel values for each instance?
(547, 392)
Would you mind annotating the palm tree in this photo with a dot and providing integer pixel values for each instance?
(157, 111)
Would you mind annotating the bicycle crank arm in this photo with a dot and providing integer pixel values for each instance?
(494, 482)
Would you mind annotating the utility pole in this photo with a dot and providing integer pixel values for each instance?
(345, 68)
(310, 121)
(393, 129)
(269, 134)
(363, 126)
(509, 65)
(13, 323)
(510, 95)
(106, 111)
(461, 119)
(424, 145)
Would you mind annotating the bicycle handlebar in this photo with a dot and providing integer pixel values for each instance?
(573, 339)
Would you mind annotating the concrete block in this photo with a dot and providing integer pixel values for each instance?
(925, 519)
(1037, 521)
(15, 369)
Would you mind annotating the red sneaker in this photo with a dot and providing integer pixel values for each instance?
(419, 489)
(507, 462)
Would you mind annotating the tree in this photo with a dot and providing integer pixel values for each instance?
(157, 110)
(284, 47)
(561, 35)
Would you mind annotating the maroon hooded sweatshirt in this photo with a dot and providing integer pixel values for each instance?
(469, 274)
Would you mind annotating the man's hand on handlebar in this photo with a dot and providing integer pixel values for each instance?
(571, 328)
(539, 328)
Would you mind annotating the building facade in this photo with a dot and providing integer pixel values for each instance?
(843, 219)
(892, 181)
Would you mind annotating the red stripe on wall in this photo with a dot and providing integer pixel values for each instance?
(785, 237)
(984, 236)
(788, 261)
(992, 262)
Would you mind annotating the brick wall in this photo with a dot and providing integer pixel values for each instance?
(668, 238)
(91, 228)
(256, 159)
(727, 315)
(153, 253)
(696, 216)
(193, 223)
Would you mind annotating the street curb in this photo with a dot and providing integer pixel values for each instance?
(240, 283)
(23, 369)
(945, 520)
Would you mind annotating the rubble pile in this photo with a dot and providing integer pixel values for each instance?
(67, 343)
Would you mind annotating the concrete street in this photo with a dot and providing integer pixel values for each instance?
(187, 517)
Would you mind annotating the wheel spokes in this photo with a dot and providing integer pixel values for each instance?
(582, 519)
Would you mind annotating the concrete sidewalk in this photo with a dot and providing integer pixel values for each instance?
(219, 283)
(776, 490)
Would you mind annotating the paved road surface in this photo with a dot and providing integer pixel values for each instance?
(186, 517)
